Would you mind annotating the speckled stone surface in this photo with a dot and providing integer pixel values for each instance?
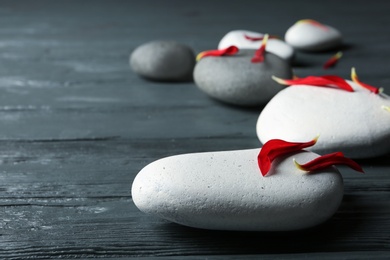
(163, 61)
(225, 191)
(238, 81)
(351, 122)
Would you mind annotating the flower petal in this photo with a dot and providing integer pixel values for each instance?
(277, 147)
(259, 53)
(355, 79)
(260, 38)
(341, 83)
(231, 50)
(327, 160)
(319, 81)
(333, 60)
(314, 23)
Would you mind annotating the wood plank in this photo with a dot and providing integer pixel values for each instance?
(77, 126)
(74, 200)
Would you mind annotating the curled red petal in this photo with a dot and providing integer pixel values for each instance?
(355, 79)
(277, 147)
(259, 53)
(327, 160)
(319, 81)
(333, 60)
(231, 50)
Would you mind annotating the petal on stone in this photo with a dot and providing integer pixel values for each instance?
(318, 81)
(237, 81)
(310, 35)
(231, 50)
(224, 191)
(275, 148)
(251, 40)
(353, 123)
(259, 53)
(328, 160)
(314, 23)
(355, 79)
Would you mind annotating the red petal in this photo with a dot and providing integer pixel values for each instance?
(254, 39)
(319, 81)
(231, 50)
(275, 148)
(341, 83)
(259, 54)
(260, 38)
(333, 60)
(327, 160)
(364, 85)
(315, 23)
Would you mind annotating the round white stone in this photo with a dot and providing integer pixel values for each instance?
(275, 46)
(309, 37)
(225, 191)
(351, 122)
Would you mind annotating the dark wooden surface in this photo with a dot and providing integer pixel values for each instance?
(76, 126)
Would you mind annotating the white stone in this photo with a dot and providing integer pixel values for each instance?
(351, 122)
(225, 191)
(275, 46)
(309, 37)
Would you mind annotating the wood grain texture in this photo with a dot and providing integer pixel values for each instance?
(77, 126)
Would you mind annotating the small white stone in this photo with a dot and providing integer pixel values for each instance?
(310, 37)
(275, 46)
(225, 191)
(354, 123)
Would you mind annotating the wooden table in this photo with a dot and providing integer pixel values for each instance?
(77, 125)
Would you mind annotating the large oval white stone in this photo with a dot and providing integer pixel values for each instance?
(309, 37)
(351, 122)
(275, 46)
(225, 191)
